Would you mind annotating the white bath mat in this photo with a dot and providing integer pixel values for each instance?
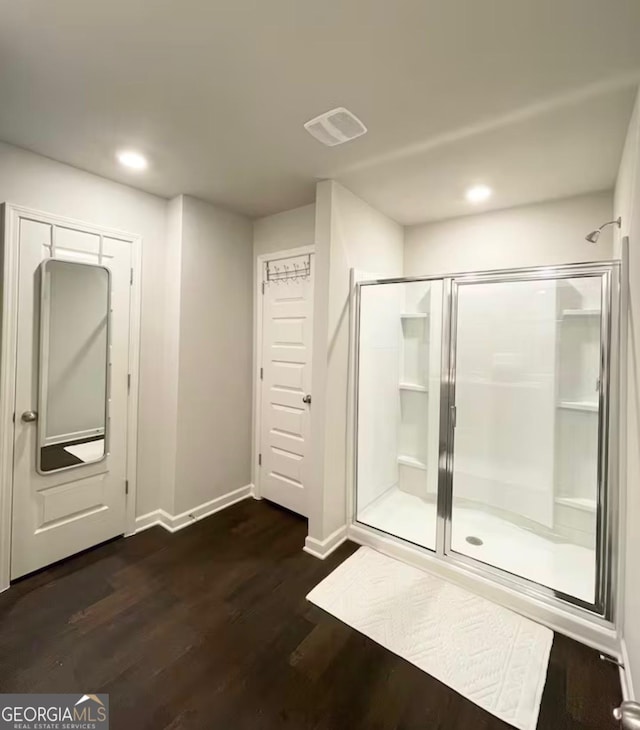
(89, 451)
(485, 652)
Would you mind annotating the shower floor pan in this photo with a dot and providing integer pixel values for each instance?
(562, 566)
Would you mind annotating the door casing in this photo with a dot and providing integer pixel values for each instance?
(9, 257)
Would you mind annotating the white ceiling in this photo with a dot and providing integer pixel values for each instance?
(531, 96)
(554, 152)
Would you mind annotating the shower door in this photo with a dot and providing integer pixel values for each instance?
(482, 424)
(528, 399)
(398, 409)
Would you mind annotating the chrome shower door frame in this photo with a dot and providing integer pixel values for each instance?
(606, 514)
(602, 610)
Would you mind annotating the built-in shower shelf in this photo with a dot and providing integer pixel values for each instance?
(414, 315)
(415, 387)
(412, 462)
(581, 313)
(582, 503)
(579, 405)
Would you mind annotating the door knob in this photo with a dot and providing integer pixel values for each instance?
(307, 399)
(29, 416)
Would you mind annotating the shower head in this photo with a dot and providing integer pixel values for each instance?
(595, 235)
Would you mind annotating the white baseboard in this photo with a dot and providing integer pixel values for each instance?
(173, 523)
(322, 548)
(149, 520)
(625, 674)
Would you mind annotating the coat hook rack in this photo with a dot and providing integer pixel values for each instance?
(289, 272)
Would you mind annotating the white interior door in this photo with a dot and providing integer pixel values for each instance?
(287, 326)
(58, 513)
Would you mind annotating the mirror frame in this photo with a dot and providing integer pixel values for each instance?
(42, 387)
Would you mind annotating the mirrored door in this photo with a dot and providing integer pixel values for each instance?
(71, 439)
(72, 418)
(528, 386)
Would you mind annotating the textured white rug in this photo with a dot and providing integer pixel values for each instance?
(89, 451)
(485, 652)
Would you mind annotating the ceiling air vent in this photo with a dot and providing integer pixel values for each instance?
(335, 127)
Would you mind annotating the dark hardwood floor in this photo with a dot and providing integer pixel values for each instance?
(209, 628)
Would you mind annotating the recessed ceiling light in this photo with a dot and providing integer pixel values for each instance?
(478, 193)
(132, 159)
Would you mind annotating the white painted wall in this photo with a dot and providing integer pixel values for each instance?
(213, 445)
(195, 361)
(349, 234)
(37, 182)
(172, 303)
(627, 205)
(532, 235)
(290, 229)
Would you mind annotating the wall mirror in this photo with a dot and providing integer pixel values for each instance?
(73, 390)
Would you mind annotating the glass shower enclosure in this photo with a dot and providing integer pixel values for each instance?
(483, 405)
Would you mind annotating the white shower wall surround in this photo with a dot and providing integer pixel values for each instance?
(380, 374)
(500, 337)
(482, 411)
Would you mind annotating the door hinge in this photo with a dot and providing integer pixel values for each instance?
(454, 416)
(261, 373)
(129, 381)
(259, 459)
(126, 486)
(131, 277)
(263, 287)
